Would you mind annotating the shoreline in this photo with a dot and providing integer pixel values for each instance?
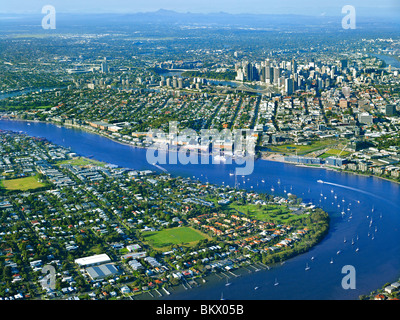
(266, 156)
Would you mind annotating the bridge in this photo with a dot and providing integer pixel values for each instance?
(265, 90)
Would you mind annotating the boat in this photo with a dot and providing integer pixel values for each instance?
(344, 240)
(338, 252)
(227, 283)
(255, 288)
(262, 180)
(219, 158)
(222, 296)
(320, 181)
(331, 261)
(357, 250)
(307, 267)
(276, 282)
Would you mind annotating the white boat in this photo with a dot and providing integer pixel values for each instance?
(331, 261)
(357, 250)
(320, 181)
(307, 267)
(219, 158)
(276, 282)
(255, 288)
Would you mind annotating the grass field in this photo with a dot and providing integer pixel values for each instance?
(334, 152)
(303, 149)
(272, 213)
(80, 161)
(22, 184)
(163, 239)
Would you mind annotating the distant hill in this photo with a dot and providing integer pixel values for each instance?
(210, 20)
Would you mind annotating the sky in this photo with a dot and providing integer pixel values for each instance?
(305, 7)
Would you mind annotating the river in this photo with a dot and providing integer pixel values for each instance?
(371, 219)
(389, 60)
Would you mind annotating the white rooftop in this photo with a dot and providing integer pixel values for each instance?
(99, 258)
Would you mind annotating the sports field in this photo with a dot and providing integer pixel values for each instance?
(23, 184)
(181, 235)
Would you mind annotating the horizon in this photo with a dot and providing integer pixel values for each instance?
(367, 8)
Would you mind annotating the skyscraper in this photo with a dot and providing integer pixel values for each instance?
(269, 74)
(104, 66)
(294, 66)
(289, 86)
(277, 74)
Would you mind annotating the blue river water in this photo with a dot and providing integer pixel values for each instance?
(371, 219)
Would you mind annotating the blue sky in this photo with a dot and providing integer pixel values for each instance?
(307, 7)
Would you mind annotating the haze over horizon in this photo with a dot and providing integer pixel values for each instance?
(366, 8)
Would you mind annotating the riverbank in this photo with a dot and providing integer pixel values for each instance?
(268, 156)
(322, 281)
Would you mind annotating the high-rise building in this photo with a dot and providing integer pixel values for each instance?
(277, 74)
(104, 66)
(343, 64)
(390, 110)
(294, 66)
(289, 86)
(269, 74)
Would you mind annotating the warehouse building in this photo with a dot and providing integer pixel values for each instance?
(93, 260)
(102, 271)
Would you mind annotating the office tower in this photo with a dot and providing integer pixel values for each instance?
(269, 74)
(365, 118)
(104, 66)
(246, 70)
(289, 86)
(294, 66)
(277, 74)
(343, 64)
(180, 83)
(239, 75)
(320, 83)
(390, 110)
